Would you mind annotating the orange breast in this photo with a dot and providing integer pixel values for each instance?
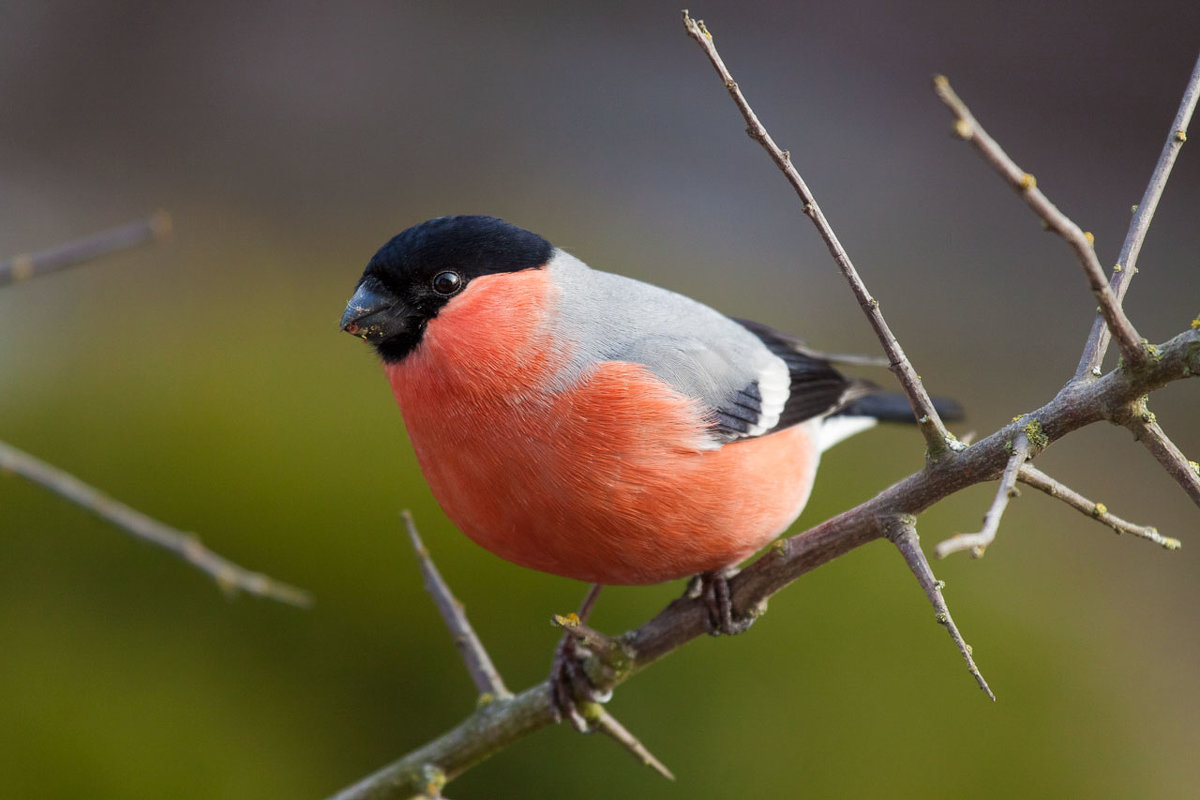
(605, 480)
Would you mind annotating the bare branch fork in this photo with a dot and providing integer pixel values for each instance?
(977, 543)
(951, 466)
(500, 719)
(1135, 351)
(230, 577)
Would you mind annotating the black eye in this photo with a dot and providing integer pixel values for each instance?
(447, 283)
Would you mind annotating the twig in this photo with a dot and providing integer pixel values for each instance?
(1097, 343)
(1147, 431)
(483, 672)
(902, 532)
(230, 577)
(31, 265)
(1034, 477)
(1025, 184)
(938, 440)
(977, 543)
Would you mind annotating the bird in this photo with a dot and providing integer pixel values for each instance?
(590, 425)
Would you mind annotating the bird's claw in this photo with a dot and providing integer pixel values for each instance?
(713, 589)
(570, 686)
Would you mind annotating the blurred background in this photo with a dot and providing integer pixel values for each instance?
(205, 383)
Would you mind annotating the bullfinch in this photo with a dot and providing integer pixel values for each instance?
(590, 425)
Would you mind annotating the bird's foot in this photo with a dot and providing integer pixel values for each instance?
(571, 690)
(713, 589)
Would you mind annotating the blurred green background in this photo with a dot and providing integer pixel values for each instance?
(205, 383)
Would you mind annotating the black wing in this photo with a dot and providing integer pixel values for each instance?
(817, 389)
(736, 418)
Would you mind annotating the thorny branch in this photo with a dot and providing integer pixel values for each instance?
(950, 467)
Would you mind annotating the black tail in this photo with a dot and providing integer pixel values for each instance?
(894, 407)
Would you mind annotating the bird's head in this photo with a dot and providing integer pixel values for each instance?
(419, 271)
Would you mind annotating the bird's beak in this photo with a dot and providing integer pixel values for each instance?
(369, 314)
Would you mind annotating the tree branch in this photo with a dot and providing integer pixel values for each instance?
(969, 129)
(1034, 477)
(32, 265)
(230, 577)
(938, 440)
(1097, 343)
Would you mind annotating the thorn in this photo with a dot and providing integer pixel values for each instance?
(903, 534)
(607, 724)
